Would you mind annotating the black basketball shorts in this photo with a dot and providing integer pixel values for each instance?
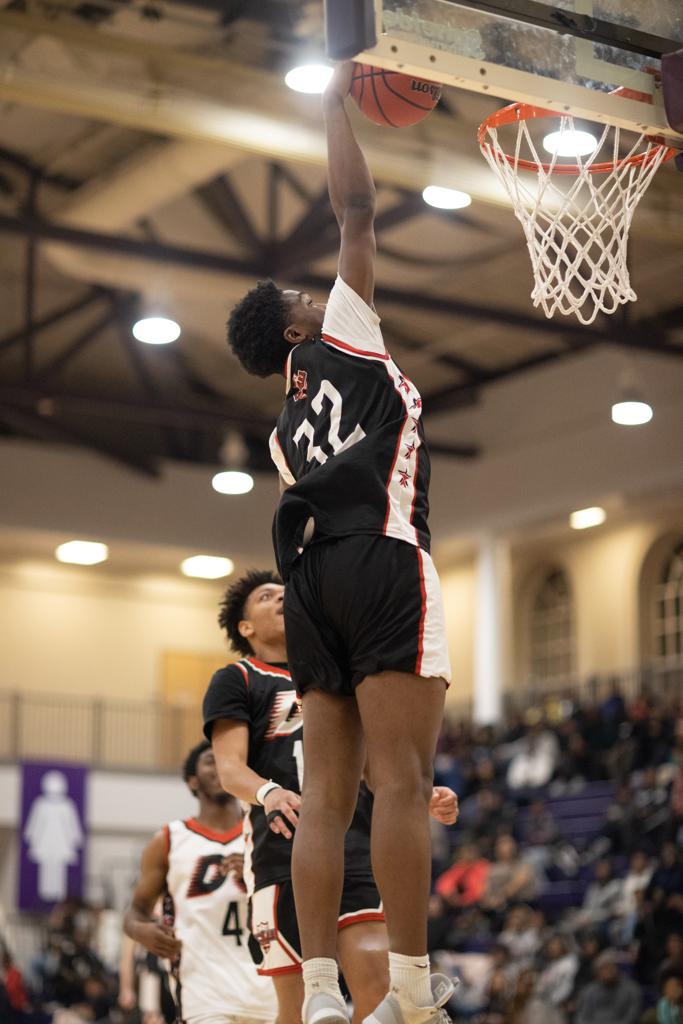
(359, 605)
(272, 921)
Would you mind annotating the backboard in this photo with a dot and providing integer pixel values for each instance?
(563, 55)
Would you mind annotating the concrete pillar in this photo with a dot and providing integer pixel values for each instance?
(492, 646)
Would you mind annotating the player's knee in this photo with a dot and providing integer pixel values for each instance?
(410, 787)
(329, 806)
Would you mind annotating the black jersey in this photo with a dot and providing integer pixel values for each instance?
(263, 696)
(349, 440)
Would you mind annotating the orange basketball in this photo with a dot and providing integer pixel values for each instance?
(390, 98)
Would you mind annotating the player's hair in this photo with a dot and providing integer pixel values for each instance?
(190, 763)
(256, 330)
(231, 608)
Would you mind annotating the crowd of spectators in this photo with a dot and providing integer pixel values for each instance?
(70, 981)
(558, 898)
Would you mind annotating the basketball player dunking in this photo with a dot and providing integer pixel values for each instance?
(363, 612)
(253, 717)
(196, 866)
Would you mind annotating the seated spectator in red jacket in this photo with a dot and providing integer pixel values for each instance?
(465, 881)
(14, 985)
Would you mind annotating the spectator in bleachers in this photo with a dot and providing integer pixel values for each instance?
(652, 808)
(521, 935)
(510, 880)
(612, 998)
(620, 821)
(485, 813)
(634, 884)
(673, 956)
(670, 1004)
(600, 902)
(464, 882)
(15, 1004)
(535, 759)
(667, 877)
(555, 981)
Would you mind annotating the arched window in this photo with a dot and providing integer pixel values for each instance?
(668, 610)
(552, 630)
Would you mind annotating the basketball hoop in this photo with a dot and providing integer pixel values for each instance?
(576, 231)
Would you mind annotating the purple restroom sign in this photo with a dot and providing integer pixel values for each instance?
(52, 835)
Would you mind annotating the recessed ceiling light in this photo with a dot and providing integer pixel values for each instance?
(446, 198)
(309, 78)
(207, 567)
(631, 413)
(570, 143)
(584, 518)
(82, 552)
(156, 330)
(232, 481)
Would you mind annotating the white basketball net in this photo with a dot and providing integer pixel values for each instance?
(576, 228)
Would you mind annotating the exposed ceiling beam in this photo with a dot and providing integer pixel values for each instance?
(473, 370)
(81, 342)
(50, 319)
(43, 427)
(221, 200)
(126, 410)
(198, 259)
(153, 103)
(442, 399)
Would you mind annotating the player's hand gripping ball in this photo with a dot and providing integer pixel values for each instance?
(390, 98)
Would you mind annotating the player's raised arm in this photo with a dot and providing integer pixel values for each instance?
(138, 922)
(352, 190)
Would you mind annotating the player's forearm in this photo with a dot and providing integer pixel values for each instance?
(349, 180)
(238, 778)
(132, 921)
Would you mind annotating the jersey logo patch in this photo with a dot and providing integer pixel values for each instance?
(285, 715)
(265, 935)
(207, 876)
(300, 382)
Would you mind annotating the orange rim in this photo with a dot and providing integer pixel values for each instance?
(516, 112)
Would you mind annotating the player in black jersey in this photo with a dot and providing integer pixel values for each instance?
(364, 618)
(253, 718)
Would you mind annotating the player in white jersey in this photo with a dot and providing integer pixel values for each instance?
(196, 865)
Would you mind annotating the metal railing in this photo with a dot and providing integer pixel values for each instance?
(145, 735)
(151, 736)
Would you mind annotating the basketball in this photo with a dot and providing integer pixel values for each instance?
(390, 98)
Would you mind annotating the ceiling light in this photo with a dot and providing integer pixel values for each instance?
(206, 567)
(156, 330)
(570, 142)
(310, 78)
(631, 413)
(232, 481)
(584, 518)
(82, 552)
(446, 198)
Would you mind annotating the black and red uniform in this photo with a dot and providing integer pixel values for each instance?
(264, 698)
(350, 533)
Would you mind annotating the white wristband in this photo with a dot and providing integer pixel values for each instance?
(263, 791)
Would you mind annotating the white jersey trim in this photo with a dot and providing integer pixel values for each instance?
(433, 660)
(352, 324)
(402, 480)
(278, 457)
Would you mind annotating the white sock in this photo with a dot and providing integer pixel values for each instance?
(410, 978)
(321, 974)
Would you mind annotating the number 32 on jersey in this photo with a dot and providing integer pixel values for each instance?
(307, 429)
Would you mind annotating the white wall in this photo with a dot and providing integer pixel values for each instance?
(604, 566)
(67, 631)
